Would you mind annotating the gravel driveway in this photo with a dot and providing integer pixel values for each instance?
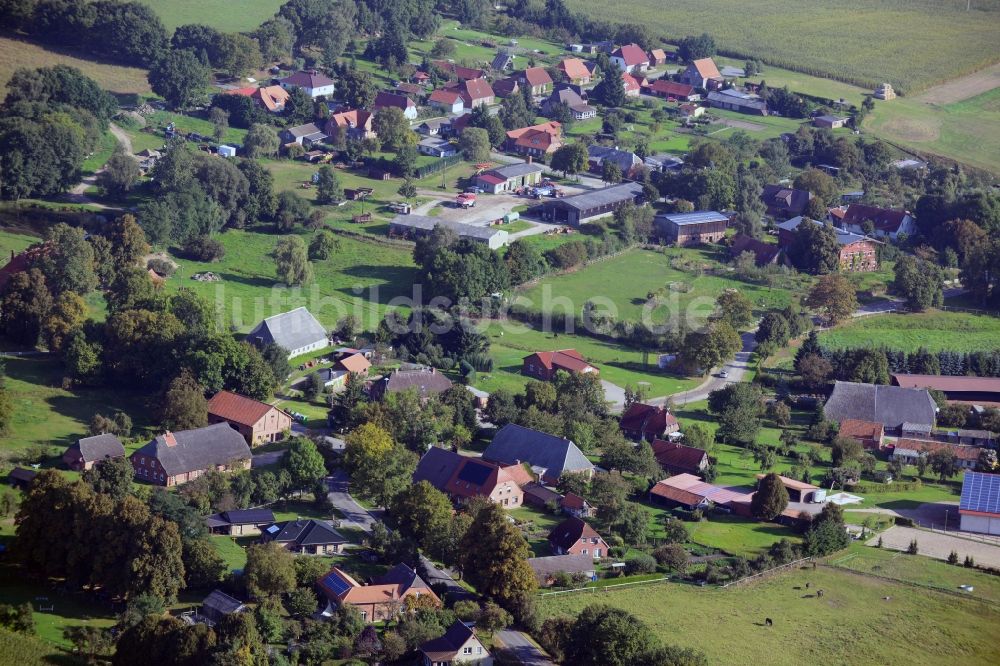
(938, 545)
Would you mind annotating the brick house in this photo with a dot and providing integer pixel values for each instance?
(886, 223)
(857, 253)
(90, 450)
(384, 599)
(544, 365)
(257, 421)
(677, 458)
(174, 458)
(672, 90)
(785, 202)
(575, 537)
(464, 477)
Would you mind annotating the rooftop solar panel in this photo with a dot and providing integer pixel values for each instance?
(981, 492)
(336, 584)
(475, 473)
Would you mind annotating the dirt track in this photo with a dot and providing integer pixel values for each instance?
(963, 88)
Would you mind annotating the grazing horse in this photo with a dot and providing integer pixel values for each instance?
(807, 586)
(819, 593)
(768, 622)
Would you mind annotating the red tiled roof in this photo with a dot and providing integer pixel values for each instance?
(658, 54)
(678, 456)
(679, 495)
(706, 68)
(538, 140)
(475, 89)
(463, 73)
(238, 408)
(352, 118)
(574, 68)
(387, 99)
(272, 97)
(445, 96)
(948, 383)
(23, 261)
(858, 429)
(537, 76)
(631, 83)
(648, 419)
(632, 54)
(794, 484)
(354, 363)
(308, 80)
(567, 359)
(573, 501)
(490, 178)
(961, 452)
(671, 88)
(884, 219)
(243, 92)
(553, 127)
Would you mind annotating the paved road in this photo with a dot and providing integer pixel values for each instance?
(522, 648)
(736, 368)
(614, 394)
(446, 578)
(265, 459)
(354, 514)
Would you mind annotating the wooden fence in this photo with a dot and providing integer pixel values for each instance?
(596, 588)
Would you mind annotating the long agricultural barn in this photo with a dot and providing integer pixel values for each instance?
(582, 208)
(417, 226)
(977, 390)
(692, 228)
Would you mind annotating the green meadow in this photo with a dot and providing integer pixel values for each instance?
(224, 15)
(934, 330)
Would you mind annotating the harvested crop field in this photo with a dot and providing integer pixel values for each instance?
(912, 45)
(963, 88)
(16, 53)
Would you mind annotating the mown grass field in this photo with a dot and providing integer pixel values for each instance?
(909, 44)
(851, 624)
(15, 53)
(935, 330)
(360, 279)
(618, 364)
(224, 15)
(623, 282)
(46, 413)
(13, 242)
(29, 650)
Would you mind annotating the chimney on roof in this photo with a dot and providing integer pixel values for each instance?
(169, 439)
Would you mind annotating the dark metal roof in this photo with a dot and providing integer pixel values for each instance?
(608, 196)
(475, 472)
(436, 467)
(202, 448)
(404, 576)
(246, 516)
(222, 603)
(303, 533)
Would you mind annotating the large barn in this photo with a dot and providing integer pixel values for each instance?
(587, 207)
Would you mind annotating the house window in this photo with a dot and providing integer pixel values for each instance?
(467, 650)
(364, 615)
(584, 551)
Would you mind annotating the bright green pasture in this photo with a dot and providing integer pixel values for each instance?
(224, 15)
(934, 330)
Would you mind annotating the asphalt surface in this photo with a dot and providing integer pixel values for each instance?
(354, 514)
(265, 459)
(736, 369)
(445, 577)
(520, 647)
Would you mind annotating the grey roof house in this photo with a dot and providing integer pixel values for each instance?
(546, 568)
(178, 457)
(217, 605)
(296, 331)
(427, 382)
(311, 537)
(548, 455)
(90, 450)
(304, 134)
(417, 226)
(892, 406)
(626, 160)
(239, 521)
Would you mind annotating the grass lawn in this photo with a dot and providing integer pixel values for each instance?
(739, 536)
(68, 610)
(852, 619)
(511, 342)
(15, 53)
(925, 571)
(536, 528)
(935, 330)
(360, 279)
(621, 284)
(230, 16)
(29, 650)
(231, 549)
(14, 242)
(45, 413)
(102, 153)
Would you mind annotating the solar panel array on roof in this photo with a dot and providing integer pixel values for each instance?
(336, 584)
(272, 529)
(981, 492)
(475, 473)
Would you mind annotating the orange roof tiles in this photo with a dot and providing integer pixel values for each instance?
(238, 408)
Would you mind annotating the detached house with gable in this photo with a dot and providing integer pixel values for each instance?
(384, 599)
(641, 421)
(174, 458)
(448, 101)
(885, 222)
(537, 79)
(630, 58)
(575, 70)
(388, 100)
(703, 73)
(784, 202)
(257, 421)
(91, 450)
(314, 83)
(458, 645)
(544, 365)
(464, 477)
(354, 124)
(575, 537)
